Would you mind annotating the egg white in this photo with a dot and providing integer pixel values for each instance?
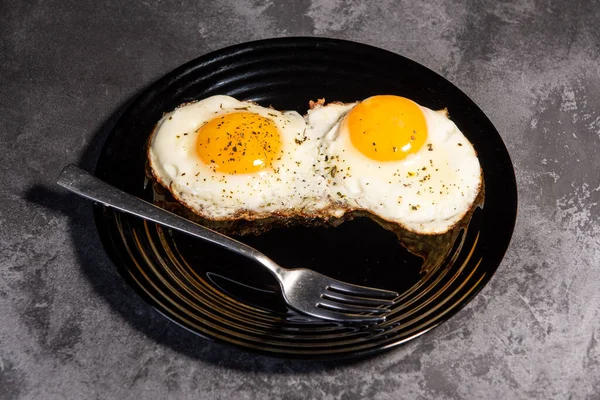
(289, 187)
(319, 174)
(427, 193)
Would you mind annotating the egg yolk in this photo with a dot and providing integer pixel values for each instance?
(386, 128)
(239, 143)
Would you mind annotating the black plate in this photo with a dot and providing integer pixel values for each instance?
(221, 296)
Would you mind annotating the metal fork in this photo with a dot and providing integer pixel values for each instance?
(304, 290)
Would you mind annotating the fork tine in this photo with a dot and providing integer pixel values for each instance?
(333, 305)
(356, 290)
(323, 313)
(343, 298)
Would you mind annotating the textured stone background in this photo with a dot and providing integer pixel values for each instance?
(73, 329)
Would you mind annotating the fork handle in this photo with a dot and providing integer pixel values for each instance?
(87, 185)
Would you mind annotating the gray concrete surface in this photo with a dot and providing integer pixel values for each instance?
(72, 329)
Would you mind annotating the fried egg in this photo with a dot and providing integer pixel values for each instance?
(224, 159)
(227, 160)
(402, 162)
